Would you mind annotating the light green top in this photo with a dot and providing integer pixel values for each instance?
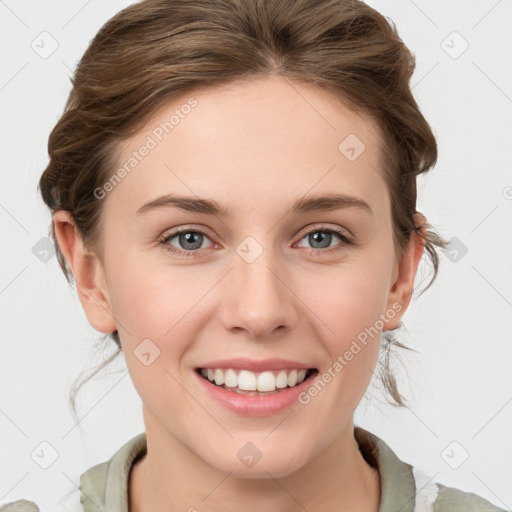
(104, 486)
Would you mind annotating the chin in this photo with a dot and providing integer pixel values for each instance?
(273, 464)
(263, 472)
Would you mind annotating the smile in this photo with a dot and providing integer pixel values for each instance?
(255, 383)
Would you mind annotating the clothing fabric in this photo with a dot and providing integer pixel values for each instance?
(103, 487)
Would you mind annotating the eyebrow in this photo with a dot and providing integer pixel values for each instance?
(324, 202)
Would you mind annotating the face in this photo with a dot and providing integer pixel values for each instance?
(274, 273)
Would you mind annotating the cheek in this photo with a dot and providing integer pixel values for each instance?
(350, 310)
(151, 300)
(347, 299)
(157, 312)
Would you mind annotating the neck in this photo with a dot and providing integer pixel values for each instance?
(171, 477)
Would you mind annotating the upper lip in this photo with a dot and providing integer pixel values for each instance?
(254, 365)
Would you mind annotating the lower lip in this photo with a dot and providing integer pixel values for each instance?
(255, 405)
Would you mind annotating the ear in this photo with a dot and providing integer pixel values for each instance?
(87, 271)
(405, 271)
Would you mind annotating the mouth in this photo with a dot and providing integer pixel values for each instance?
(246, 382)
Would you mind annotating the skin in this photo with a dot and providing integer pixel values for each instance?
(254, 147)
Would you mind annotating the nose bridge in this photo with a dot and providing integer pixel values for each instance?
(259, 301)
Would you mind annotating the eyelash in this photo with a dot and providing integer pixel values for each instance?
(193, 253)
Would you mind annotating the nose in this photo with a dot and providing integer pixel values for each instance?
(258, 297)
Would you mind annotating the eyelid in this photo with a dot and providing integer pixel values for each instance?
(342, 232)
(185, 229)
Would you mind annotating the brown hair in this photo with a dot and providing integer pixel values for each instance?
(155, 50)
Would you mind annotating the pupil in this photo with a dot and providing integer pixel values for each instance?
(188, 238)
(321, 236)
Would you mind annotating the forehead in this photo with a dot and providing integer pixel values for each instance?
(265, 138)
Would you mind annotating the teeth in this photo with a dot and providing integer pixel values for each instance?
(247, 380)
(250, 381)
(265, 382)
(219, 377)
(281, 379)
(231, 379)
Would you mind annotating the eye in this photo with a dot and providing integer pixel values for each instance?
(189, 241)
(322, 237)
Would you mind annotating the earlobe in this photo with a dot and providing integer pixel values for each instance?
(88, 273)
(401, 292)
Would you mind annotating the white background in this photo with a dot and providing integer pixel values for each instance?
(460, 379)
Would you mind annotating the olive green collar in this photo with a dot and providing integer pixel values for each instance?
(397, 487)
(105, 486)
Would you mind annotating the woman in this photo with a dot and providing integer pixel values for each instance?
(233, 189)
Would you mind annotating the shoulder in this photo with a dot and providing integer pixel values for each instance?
(103, 483)
(20, 506)
(406, 487)
(70, 502)
(436, 497)
(450, 499)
